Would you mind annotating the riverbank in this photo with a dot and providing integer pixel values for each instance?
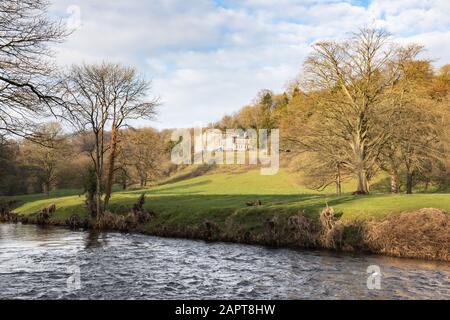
(424, 234)
(276, 211)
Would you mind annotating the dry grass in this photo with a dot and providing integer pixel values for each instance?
(420, 234)
(110, 221)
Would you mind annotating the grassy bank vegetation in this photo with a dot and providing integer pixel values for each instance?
(214, 205)
(219, 193)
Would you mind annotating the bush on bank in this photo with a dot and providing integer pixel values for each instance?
(423, 233)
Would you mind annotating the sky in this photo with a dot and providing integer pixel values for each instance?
(208, 58)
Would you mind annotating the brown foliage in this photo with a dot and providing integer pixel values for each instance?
(210, 230)
(303, 231)
(44, 216)
(110, 221)
(254, 204)
(421, 234)
(75, 222)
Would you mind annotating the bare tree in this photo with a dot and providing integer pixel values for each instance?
(81, 89)
(358, 75)
(416, 127)
(45, 159)
(145, 151)
(127, 96)
(26, 85)
(306, 130)
(103, 95)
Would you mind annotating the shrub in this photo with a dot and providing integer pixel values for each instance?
(421, 234)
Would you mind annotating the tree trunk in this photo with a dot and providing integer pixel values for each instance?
(98, 176)
(46, 188)
(338, 181)
(409, 182)
(111, 164)
(360, 171)
(394, 182)
(98, 195)
(143, 179)
(362, 182)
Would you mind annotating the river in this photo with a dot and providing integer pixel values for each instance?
(56, 263)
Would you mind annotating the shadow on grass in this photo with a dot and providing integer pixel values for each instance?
(195, 204)
(198, 171)
(382, 186)
(191, 205)
(168, 190)
(40, 196)
(171, 190)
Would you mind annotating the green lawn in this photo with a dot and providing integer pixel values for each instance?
(219, 194)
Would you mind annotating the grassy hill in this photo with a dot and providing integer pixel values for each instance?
(219, 193)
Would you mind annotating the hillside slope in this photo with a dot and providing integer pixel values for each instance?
(222, 193)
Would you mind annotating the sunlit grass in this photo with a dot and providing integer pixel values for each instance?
(217, 194)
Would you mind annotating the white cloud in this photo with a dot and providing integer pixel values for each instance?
(207, 59)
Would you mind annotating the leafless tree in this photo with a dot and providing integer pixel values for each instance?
(308, 132)
(128, 100)
(145, 152)
(26, 82)
(102, 96)
(46, 159)
(358, 74)
(81, 90)
(416, 127)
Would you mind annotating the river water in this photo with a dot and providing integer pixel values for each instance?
(55, 263)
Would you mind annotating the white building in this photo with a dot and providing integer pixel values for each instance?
(218, 141)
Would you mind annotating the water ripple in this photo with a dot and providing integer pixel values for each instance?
(34, 262)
